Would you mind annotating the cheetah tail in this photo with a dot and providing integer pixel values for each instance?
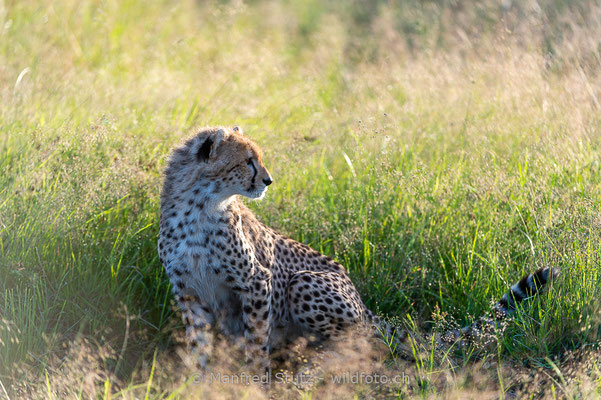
(527, 287)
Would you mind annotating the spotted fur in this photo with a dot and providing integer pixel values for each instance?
(525, 288)
(229, 270)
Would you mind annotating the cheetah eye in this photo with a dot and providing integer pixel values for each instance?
(251, 164)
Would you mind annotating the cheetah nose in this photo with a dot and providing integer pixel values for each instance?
(268, 181)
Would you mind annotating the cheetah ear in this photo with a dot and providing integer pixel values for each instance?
(238, 130)
(208, 150)
(217, 138)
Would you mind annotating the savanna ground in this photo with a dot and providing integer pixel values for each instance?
(438, 149)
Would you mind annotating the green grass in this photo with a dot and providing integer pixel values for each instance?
(439, 153)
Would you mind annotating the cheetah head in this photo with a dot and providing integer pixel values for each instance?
(224, 162)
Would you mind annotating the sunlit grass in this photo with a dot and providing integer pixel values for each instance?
(438, 153)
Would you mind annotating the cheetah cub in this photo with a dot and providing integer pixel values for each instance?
(230, 271)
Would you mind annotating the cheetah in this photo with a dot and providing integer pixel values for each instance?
(232, 272)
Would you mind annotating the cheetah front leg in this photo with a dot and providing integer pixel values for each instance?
(197, 321)
(257, 315)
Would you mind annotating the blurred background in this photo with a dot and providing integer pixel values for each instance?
(439, 149)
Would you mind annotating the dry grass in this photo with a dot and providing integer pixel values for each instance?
(439, 150)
